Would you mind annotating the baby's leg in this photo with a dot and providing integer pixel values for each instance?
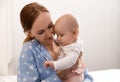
(73, 77)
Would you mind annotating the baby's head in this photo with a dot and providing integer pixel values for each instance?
(66, 28)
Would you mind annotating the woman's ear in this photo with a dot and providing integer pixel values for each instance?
(30, 34)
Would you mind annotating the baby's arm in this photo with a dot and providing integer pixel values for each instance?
(68, 61)
(63, 63)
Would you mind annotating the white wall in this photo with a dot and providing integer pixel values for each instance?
(3, 42)
(99, 28)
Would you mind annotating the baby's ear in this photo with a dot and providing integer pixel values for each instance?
(76, 31)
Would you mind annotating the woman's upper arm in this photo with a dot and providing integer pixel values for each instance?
(27, 70)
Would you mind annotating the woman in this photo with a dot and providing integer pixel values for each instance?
(39, 46)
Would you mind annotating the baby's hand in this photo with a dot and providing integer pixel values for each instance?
(49, 64)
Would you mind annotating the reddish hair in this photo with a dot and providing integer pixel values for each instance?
(28, 15)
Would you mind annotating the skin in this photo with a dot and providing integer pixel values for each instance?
(66, 29)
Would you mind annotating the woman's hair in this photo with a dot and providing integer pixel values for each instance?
(28, 15)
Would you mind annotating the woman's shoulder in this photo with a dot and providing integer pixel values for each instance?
(31, 45)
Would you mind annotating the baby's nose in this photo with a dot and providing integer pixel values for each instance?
(58, 38)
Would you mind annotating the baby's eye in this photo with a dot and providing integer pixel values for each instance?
(61, 35)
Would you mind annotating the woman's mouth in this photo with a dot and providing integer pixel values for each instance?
(50, 38)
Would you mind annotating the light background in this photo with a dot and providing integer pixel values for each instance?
(99, 29)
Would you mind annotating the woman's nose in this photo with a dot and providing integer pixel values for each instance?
(48, 33)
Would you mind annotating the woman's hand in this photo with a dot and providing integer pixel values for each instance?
(62, 73)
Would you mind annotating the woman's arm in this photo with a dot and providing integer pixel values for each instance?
(28, 70)
(87, 77)
(52, 78)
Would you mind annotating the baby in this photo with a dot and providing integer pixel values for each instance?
(67, 30)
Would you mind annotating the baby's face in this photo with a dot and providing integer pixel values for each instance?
(64, 33)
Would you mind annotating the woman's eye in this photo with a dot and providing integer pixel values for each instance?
(41, 32)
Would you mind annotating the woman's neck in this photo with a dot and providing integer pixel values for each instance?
(50, 46)
(53, 49)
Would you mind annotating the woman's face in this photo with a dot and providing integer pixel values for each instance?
(42, 28)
